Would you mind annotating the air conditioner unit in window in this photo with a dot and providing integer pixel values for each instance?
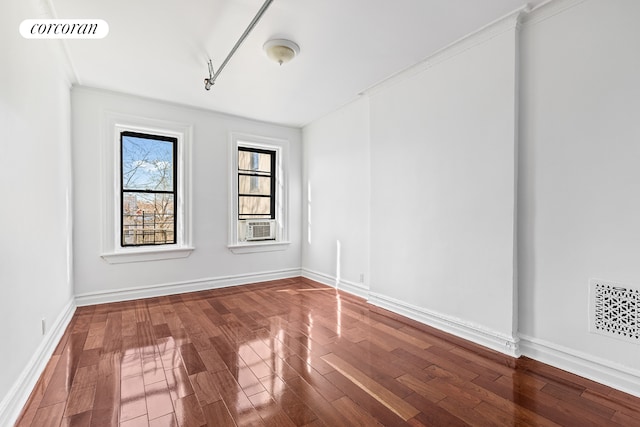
(260, 229)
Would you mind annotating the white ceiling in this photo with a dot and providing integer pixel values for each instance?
(160, 48)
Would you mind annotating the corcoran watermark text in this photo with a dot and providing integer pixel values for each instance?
(64, 28)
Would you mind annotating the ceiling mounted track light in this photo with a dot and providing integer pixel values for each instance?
(210, 81)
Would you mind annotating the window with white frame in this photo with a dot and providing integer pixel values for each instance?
(258, 219)
(147, 214)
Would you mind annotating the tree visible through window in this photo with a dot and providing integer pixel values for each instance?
(148, 189)
(256, 183)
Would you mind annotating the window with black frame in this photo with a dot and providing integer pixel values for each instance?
(148, 189)
(256, 183)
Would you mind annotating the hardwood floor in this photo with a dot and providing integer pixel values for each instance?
(296, 353)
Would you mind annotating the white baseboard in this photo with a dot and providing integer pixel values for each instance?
(475, 333)
(602, 371)
(620, 377)
(15, 399)
(357, 289)
(128, 294)
(491, 339)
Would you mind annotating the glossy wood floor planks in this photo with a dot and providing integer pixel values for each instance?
(296, 353)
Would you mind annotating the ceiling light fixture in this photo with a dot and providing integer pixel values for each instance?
(208, 82)
(281, 50)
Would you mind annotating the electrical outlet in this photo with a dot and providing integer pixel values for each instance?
(44, 325)
(361, 277)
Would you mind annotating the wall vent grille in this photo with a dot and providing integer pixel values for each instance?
(615, 310)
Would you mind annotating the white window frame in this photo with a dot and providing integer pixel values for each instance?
(112, 251)
(281, 148)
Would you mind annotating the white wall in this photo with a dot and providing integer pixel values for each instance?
(441, 143)
(211, 264)
(336, 198)
(438, 211)
(35, 271)
(579, 175)
(437, 144)
(443, 188)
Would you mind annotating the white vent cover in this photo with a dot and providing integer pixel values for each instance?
(615, 310)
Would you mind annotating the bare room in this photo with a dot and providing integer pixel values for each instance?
(320, 213)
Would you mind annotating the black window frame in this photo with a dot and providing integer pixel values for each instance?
(272, 176)
(174, 191)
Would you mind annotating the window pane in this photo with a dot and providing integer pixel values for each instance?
(252, 206)
(147, 164)
(254, 185)
(253, 161)
(148, 219)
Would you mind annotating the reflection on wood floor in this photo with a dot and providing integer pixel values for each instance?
(277, 354)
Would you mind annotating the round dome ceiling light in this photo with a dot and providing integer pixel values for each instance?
(281, 50)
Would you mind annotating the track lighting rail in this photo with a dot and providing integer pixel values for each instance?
(208, 82)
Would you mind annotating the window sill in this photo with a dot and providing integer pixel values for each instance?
(247, 248)
(147, 254)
